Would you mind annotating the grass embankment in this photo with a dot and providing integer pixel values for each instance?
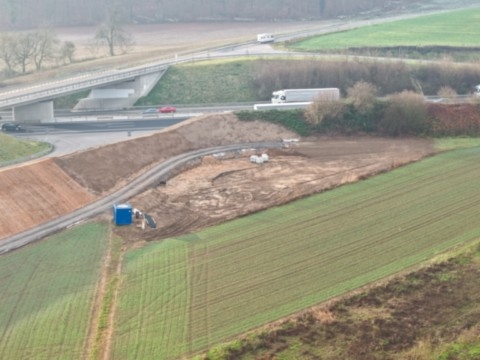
(47, 294)
(12, 149)
(456, 28)
(187, 293)
(208, 82)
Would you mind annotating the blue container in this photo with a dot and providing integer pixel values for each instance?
(122, 214)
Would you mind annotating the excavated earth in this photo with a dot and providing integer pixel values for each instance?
(208, 192)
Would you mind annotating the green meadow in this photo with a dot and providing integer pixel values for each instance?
(456, 28)
(47, 294)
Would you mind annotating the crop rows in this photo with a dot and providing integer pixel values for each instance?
(154, 302)
(259, 268)
(47, 295)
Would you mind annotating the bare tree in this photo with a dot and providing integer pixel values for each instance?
(24, 50)
(8, 46)
(112, 33)
(45, 44)
(67, 51)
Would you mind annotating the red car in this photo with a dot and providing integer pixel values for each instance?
(167, 109)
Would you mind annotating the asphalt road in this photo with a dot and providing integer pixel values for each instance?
(151, 178)
(74, 136)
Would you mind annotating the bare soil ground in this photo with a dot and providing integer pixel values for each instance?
(36, 193)
(213, 191)
(219, 189)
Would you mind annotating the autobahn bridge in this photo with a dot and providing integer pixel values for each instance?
(109, 90)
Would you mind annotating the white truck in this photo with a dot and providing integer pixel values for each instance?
(265, 38)
(304, 95)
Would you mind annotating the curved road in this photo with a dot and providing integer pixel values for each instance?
(141, 183)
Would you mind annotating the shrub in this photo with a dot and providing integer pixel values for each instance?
(363, 96)
(446, 92)
(320, 110)
(405, 114)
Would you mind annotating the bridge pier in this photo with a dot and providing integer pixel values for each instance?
(34, 113)
(119, 96)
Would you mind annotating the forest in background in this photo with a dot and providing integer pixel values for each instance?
(27, 14)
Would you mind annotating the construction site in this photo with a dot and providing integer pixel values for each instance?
(204, 192)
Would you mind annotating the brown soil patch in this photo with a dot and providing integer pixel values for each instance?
(109, 167)
(215, 190)
(34, 194)
(220, 189)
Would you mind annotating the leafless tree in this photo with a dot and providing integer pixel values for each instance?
(45, 44)
(112, 33)
(67, 51)
(24, 50)
(8, 46)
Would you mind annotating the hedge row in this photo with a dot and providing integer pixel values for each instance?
(437, 120)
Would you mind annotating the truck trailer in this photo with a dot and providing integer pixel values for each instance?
(305, 95)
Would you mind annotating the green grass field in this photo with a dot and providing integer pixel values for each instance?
(187, 293)
(47, 291)
(215, 81)
(12, 149)
(456, 28)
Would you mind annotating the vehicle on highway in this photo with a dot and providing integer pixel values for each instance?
(11, 127)
(265, 38)
(150, 111)
(167, 109)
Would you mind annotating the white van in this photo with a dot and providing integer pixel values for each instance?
(265, 38)
(477, 90)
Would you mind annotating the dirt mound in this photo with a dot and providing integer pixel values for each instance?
(36, 193)
(108, 167)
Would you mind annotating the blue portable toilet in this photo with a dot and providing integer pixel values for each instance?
(122, 214)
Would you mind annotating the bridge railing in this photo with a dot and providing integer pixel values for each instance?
(51, 90)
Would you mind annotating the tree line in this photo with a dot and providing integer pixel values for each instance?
(387, 76)
(21, 50)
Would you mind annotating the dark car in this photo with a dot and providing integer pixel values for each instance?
(11, 127)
